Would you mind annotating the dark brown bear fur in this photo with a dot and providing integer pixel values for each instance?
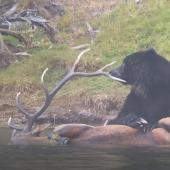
(149, 75)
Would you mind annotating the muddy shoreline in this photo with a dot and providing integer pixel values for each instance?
(56, 116)
(90, 109)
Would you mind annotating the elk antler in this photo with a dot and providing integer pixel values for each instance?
(49, 95)
(10, 124)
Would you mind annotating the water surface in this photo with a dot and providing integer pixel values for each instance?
(74, 158)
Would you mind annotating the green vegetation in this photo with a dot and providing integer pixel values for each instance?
(127, 29)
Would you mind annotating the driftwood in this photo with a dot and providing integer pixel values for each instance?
(91, 31)
(9, 53)
(5, 54)
(8, 6)
(12, 10)
(31, 17)
(14, 34)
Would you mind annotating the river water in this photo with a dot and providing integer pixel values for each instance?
(74, 158)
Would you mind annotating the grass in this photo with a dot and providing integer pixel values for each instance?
(129, 29)
(125, 30)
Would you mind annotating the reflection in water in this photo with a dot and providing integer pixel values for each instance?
(5, 134)
(72, 158)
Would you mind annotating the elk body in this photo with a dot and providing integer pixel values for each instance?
(82, 134)
(102, 136)
(110, 135)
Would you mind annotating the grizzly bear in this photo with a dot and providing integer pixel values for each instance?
(148, 74)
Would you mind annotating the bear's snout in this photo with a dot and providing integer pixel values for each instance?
(118, 72)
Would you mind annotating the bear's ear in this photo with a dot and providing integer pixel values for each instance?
(150, 52)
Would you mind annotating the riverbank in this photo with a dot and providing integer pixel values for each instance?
(121, 30)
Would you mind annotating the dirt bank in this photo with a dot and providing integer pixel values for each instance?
(80, 108)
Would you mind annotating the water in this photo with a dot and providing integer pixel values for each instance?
(74, 158)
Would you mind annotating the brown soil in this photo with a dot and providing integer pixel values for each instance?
(94, 109)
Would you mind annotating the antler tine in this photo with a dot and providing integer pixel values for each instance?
(112, 77)
(78, 59)
(42, 83)
(109, 75)
(47, 97)
(100, 72)
(97, 73)
(107, 65)
(31, 117)
(13, 126)
(21, 108)
(43, 74)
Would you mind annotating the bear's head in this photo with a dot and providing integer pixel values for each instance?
(145, 71)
